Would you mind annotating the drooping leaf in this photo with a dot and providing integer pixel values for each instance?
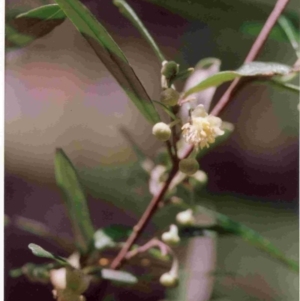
(130, 14)
(40, 252)
(33, 24)
(252, 69)
(251, 237)
(119, 276)
(110, 54)
(67, 179)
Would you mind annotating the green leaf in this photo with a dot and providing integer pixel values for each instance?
(251, 237)
(110, 54)
(117, 232)
(130, 14)
(291, 33)
(67, 179)
(33, 24)
(254, 28)
(40, 252)
(248, 70)
(119, 276)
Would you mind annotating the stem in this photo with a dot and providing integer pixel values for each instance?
(149, 212)
(255, 49)
(144, 220)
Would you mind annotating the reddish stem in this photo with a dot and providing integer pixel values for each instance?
(256, 47)
(149, 212)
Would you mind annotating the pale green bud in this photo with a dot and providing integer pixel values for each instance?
(169, 69)
(189, 166)
(161, 131)
(169, 97)
(168, 279)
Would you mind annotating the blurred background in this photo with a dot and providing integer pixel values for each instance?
(58, 94)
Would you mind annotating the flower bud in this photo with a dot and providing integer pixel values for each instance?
(168, 279)
(76, 281)
(169, 97)
(161, 131)
(185, 218)
(171, 237)
(169, 69)
(189, 166)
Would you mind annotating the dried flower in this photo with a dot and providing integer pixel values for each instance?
(203, 128)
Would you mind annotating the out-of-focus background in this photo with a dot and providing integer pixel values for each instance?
(58, 94)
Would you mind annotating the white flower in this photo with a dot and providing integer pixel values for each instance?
(203, 128)
(185, 218)
(171, 237)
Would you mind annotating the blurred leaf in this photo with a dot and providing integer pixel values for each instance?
(119, 276)
(110, 54)
(251, 69)
(41, 230)
(250, 236)
(102, 240)
(33, 24)
(254, 28)
(292, 34)
(34, 273)
(117, 232)
(40, 252)
(67, 179)
(130, 14)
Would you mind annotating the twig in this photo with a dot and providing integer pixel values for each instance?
(149, 212)
(144, 220)
(256, 47)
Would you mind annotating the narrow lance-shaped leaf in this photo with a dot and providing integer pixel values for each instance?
(33, 24)
(252, 69)
(129, 13)
(251, 236)
(67, 180)
(110, 54)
